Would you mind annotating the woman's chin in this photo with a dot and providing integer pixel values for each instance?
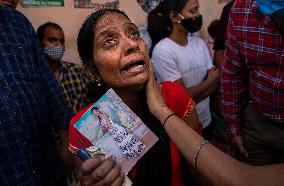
(136, 78)
(135, 84)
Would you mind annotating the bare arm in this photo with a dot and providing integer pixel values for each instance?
(218, 56)
(218, 167)
(205, 88)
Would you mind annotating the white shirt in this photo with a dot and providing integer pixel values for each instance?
(189, 63)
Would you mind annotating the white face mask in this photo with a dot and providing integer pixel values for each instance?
(55, 52)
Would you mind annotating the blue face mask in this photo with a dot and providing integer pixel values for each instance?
(269, 7)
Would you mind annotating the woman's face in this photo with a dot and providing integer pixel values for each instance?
(119, 53)
(191, 9)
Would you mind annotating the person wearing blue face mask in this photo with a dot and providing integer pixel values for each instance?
(69, 75)
(254, 63)
(180, 56)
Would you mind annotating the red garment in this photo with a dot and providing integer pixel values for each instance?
(176, 98)
(181, 104)
(255, 56)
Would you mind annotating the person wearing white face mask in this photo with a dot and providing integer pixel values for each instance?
(69, 75)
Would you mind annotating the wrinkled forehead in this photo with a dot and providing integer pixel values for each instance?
(111, 20)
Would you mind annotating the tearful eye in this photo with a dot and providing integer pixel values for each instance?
(135, 35)
(109, 43)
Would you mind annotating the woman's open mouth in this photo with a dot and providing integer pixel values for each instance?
(135, 67)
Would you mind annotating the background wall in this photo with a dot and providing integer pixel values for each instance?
(71, 19)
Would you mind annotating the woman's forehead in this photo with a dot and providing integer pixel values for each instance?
(111, 19)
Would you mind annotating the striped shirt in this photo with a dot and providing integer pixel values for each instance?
(254, 60)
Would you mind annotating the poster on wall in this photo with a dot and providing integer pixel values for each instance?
(42, 3)
(96, 4)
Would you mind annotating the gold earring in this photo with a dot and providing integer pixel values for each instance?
(93, 76)
(98, 82)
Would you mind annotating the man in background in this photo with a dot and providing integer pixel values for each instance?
(69, 75)
(254, 63)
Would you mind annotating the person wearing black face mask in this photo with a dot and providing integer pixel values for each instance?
(180, 56)
(191, 24)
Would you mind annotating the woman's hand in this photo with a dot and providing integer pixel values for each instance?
(100, 171)
(213, 75)
(155, 100)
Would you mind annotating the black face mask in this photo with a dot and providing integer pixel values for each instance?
(191, 25)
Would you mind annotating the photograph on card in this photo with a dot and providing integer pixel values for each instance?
(110, 125)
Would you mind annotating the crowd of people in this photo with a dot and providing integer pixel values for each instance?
(167, 75)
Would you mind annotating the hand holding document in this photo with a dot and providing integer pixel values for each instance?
(111, 128)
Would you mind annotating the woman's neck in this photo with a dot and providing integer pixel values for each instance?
(133, 99)
(179, 36)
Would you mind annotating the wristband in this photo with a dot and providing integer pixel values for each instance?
(173, 114)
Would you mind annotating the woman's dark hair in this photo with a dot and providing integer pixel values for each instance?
(41, 29)
(85, 44)
(159, 22)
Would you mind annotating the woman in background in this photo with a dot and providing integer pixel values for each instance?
(181, 57)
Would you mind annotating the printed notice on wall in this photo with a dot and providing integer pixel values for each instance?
(96, 4)
(42, 3)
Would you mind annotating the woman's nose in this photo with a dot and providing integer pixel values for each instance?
(131, 45)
